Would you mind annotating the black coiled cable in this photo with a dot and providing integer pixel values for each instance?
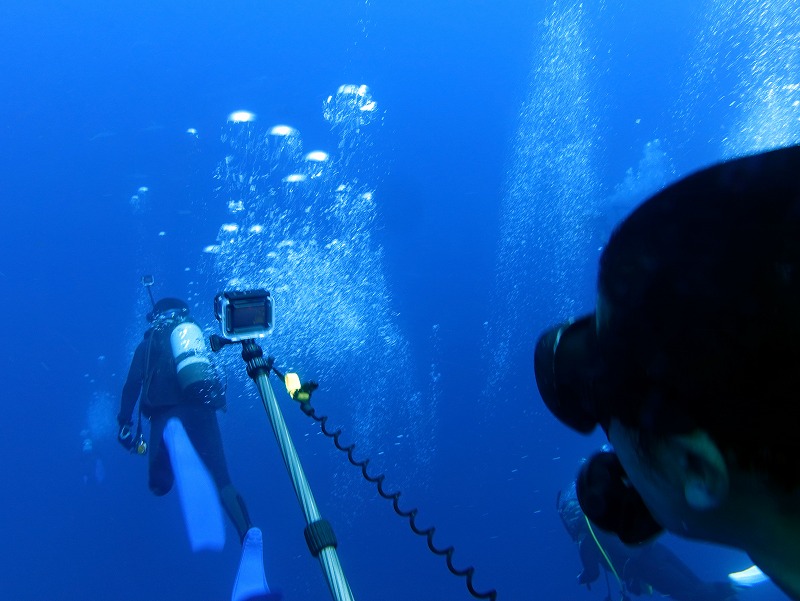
(467, 573)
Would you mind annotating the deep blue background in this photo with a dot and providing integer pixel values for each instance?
(95, 102)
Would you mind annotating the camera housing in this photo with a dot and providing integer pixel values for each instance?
(244, 315)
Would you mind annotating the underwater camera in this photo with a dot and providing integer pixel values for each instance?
(244, 315)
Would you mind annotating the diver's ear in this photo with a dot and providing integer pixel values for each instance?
(701, 469)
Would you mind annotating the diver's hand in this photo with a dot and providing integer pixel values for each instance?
(125, 436)
(587, 577)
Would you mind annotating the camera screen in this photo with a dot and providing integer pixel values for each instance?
(243, 317)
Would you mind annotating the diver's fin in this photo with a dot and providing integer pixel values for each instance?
(199, 498)
(749, 577)
(251, 581)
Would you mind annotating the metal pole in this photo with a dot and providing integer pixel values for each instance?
(329, 560)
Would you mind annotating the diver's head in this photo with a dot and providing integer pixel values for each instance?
(168, 309)
(569, 510)
(697, 322)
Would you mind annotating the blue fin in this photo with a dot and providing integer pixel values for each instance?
(251, 582)
(202, 512)
(749, 577)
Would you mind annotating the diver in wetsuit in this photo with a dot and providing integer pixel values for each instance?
(638, 569)
(184, 387)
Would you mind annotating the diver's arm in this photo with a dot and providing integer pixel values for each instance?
(590, 559)
(669, 575)
(133, 385)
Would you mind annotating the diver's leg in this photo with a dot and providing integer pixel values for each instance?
(203, 430)
(160, 477)
(236, 509)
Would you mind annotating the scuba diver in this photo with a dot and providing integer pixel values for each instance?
(178, 389)
(689, 364)
(176, 379)
(637, 569)
(93, 469)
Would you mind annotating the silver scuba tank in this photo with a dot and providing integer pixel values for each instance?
(197, 376)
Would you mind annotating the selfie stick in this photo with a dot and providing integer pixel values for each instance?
(318, 532)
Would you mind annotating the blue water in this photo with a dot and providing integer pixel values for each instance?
(413, 269)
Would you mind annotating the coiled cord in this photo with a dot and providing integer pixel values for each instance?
(411, 515)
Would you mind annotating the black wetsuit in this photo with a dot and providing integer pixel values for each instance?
(639, 567)
(153, 369)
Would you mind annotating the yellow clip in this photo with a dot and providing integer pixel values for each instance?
(292, 382)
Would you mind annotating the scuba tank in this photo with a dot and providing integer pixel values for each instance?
(178, 335)
(196, 373)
